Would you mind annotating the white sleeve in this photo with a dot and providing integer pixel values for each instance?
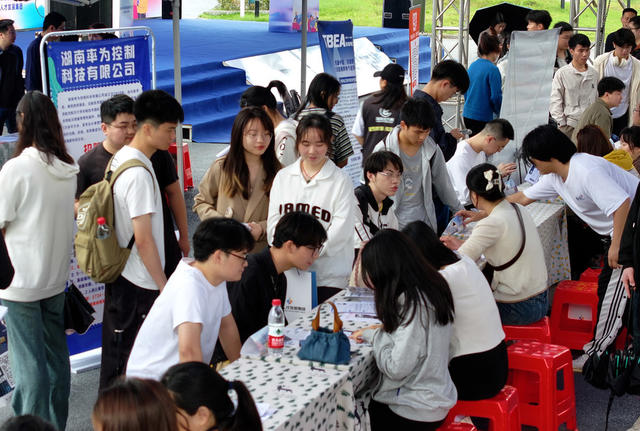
(188, 306)
(275, 198)
(458, 174)
(136, 187)
(543, 189)
(340, 231)
(285, 147)
(608, 196)
(556, 103)
(358, 125)
(12, 186)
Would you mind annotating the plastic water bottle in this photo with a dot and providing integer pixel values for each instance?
(103, 230)
(275, 341)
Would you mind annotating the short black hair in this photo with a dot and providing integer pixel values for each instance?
(27, 423)
(499, 128)
(157, 107)
(563, 26)
(488, 44)
(547, 142)
(301, 228)
(635, 21)
(609, 84)
(539, 17)
(53, 19)
(378, 161)
(478, 182)
(118, 104)
(315, 121)
(623, 37)
(5, 24)
(225, 234)
(631, 135)
(452, 71)
(419, 113)
(579, 39)
(629, 9)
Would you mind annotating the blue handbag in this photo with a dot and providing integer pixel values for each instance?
(325, 345)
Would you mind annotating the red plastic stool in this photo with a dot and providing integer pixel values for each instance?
(567, 330)
(591, 274)
(543, 375)
(186, 163)
(501, 410)
(457, 426)
(537, 331)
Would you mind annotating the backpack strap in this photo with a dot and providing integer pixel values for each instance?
(111, 176)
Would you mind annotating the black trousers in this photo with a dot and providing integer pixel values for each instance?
(125, 308)
(384, 419)
(620, 123)
(479, 376)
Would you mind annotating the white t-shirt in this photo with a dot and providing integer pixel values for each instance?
(459, 166)
(624, 74)
(136, 193)
(187, 297)
(358, 124)
(595, 188)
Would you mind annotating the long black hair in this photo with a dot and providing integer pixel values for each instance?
(234, 166)
(436, 253)
(39, 126)
(393, 266)
(392, 96)
(321, 88)
(195, 384)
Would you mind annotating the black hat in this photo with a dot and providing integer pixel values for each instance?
(392, 72)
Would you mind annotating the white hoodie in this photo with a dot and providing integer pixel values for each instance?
(36, 209)
(329, 197)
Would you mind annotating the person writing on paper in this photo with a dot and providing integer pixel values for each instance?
(600, 194)
(315, 185)
(203, 401)
(193, 310)
(297, 242)
(478, 365)
(473, 151)
(520, 289)
(411, 346)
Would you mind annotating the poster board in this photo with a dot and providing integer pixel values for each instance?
(25, 14)
(286, 15)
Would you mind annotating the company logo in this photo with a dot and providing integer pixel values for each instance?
(81, 219)
(385, 112)
(337, 40)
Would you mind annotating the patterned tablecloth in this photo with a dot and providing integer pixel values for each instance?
(551, 221)
(303, 398)
(361, 374)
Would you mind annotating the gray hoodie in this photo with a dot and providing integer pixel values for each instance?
(414, 368)
(434, 174)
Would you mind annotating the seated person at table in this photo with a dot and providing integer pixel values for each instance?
(193, 310)
(471, 152)
(411, 346)
(600, 194)
(296, 242)
(202, 398)
(520, 289)
(382, 175)
(478, 353)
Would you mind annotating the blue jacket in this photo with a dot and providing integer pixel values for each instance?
(33, 76)
(483, 99)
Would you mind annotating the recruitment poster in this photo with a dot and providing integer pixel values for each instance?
(414, 46)
(338, 59)
(25, 14)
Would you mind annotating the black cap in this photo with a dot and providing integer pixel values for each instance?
(392, 72)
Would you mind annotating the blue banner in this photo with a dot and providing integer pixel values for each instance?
(100, 63)
(338, 59)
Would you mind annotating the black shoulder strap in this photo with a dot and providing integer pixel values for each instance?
(524, 241)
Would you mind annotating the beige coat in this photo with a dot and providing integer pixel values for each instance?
(213, 201)
(634, 92)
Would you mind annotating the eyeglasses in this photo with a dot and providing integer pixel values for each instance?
(125, 126)
(391, 174)
(237, 255)
(255, 135)
(316, 250)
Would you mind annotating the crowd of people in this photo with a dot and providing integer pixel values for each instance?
(279, 199)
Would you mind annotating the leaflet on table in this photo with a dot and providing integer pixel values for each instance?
(533, 175)
(358, 292)
(356, 306)
(265, 410)
(256, 344)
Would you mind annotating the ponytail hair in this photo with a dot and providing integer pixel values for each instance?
(262, 96)
(195, 384)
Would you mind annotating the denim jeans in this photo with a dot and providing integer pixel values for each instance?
(524, 312)
(39, 359)
(8, 116)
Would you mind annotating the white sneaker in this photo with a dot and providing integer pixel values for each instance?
(578, 362)
(636, 426)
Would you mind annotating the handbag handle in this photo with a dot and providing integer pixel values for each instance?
(337, 323)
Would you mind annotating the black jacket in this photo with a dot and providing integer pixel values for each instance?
(629, 254)
(251, 297)
(445, 141)
(6, 268)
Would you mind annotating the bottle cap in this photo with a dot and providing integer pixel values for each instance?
(276, 303)
(101, 220)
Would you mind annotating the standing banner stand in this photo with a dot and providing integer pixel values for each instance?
(527, 89)
(338, 59)
(414, 47)
(80, 76)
